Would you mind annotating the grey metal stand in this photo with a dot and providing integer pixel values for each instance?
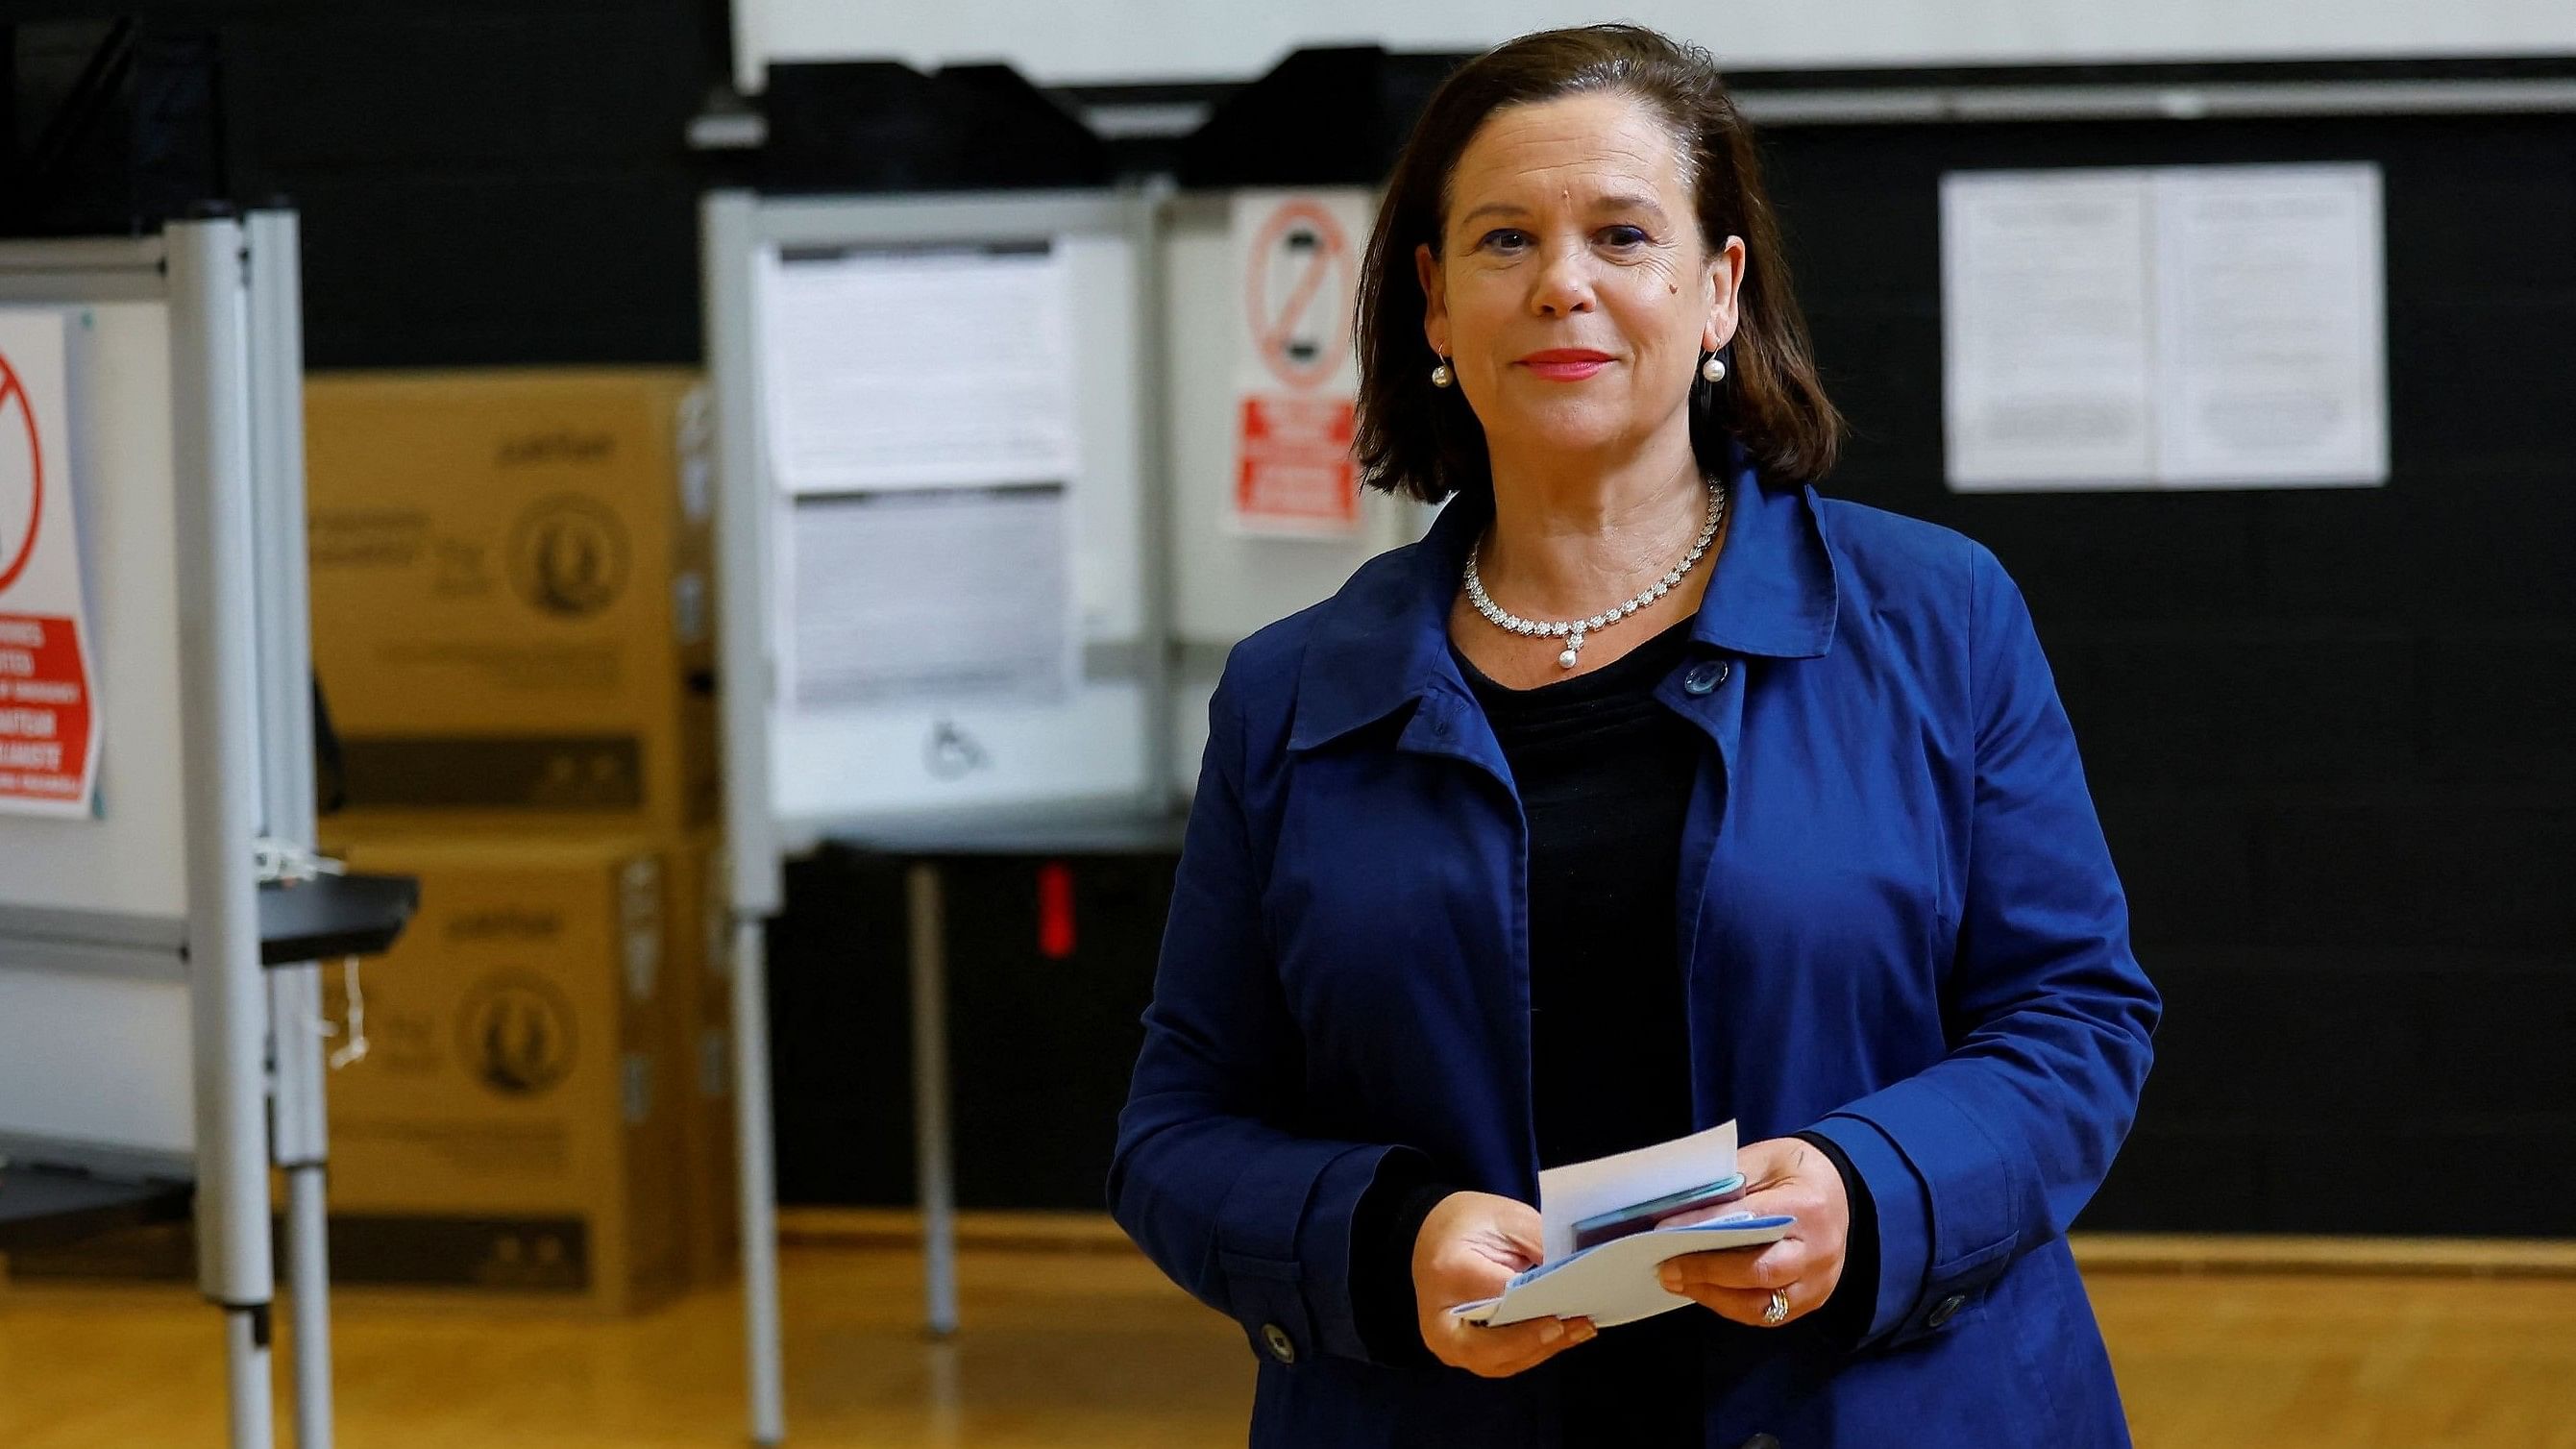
(295, 997)
(933, 1154)
(299, 1132)
(730, 309)
(211, 436)
(756, 1183)
(244, 765)
(925, 852)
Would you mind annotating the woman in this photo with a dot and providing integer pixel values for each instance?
(1648, 791)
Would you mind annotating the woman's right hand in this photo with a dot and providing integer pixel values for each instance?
(1470, 1247)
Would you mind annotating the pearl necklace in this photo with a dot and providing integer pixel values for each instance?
(1573, 631)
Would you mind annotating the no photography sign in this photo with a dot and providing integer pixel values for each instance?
(1303, 274)
(48, 719)
(1298, 257)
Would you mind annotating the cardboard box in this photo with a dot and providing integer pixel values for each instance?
(512, 608)
(701, 1020)
(517, 1122)
(513, 1136)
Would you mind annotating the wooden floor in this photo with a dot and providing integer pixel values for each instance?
(1075, 1349)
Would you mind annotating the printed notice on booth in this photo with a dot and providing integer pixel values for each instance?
(930, 596)
(935, 368)
(923, 436)
(49, 716)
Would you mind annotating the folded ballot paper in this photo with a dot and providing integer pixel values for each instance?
(1602, 1229)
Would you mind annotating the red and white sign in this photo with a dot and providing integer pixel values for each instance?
(1298, 254)
(49, 720)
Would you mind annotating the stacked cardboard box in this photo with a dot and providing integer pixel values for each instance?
(515, 1124)
(511, 613)
(514, 634)
(512, 629)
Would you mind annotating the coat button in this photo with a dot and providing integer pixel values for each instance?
(1704, 678)
(1947, 1309)
(1762, 1441)
(1277, 1341)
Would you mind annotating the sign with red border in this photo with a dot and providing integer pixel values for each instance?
(49, 719)
(1298, 258)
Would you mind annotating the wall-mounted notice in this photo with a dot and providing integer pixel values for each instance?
(2047, 325)
(1298, 257)
(49, 717)
(2176, 327)
(2273, 356)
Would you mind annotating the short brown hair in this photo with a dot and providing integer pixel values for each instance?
(1415, 439)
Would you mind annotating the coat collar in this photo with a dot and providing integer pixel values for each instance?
(1383, 641)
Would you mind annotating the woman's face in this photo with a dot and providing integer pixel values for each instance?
(1573, 294)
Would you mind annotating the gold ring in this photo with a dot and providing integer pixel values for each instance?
(1776, 1312)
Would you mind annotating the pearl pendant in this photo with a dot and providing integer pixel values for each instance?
(1566, 659)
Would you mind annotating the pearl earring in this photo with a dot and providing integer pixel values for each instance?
(1441, 376)
(1714, 369)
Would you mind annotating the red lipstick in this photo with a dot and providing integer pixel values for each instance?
(1565, 364)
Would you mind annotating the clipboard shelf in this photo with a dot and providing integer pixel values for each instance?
(47, 1206)
(332, 916)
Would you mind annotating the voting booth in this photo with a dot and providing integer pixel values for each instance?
(939, 518)
(1004, 470)
(160, 911)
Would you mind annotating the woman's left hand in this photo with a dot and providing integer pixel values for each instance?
(1783, 1177)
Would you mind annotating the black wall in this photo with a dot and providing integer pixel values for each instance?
(1040, 1045)
(2332, 733)
(2329, 730)
(481, 182)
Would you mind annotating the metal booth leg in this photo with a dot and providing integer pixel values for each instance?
(931, 1147)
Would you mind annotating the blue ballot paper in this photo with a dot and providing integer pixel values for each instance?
(1603, 1232)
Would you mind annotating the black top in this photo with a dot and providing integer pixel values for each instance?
(1604, 772)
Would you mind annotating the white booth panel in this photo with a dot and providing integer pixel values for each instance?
(1227, 584)
(133, 860)
(95, 1058)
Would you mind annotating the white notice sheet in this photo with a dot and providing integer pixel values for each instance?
(929, 596)
(1577, 1190)
(2178, 327)
(913, 369)
(2046, 316)
(2272, 335)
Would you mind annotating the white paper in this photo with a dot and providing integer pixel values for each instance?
(2181, 327)
(1569, 1194)
(914, 369)
(2272, 337)
(1615, 1282)
(2046, 318)
(929, 597)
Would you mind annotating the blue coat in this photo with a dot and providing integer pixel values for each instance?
(1899, 923)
